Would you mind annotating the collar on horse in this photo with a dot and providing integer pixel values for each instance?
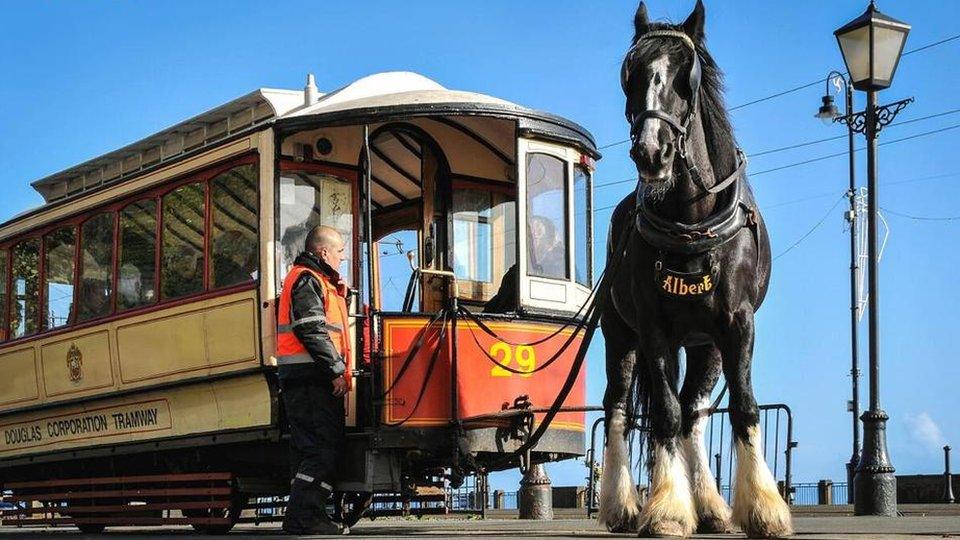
(724, 223)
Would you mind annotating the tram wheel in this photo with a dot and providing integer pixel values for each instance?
(350, 507)
(91, 528)
(232, 514)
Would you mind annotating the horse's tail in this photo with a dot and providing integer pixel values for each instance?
(640, 400)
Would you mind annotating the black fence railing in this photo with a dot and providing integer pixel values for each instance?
(776, 424)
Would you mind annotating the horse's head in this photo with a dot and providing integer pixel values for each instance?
(661, 79)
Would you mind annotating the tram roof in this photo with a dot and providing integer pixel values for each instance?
(373, 98)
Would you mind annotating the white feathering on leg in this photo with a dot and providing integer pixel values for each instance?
(757, 505)
(619, 504)
(709, 504)
(669, 509)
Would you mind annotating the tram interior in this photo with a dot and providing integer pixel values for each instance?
(443, 197)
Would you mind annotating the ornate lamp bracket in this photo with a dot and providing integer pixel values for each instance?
(884, 115)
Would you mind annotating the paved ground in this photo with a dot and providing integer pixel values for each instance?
(827, 527)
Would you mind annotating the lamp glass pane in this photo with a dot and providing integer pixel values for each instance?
(855, 46)
(886, 50)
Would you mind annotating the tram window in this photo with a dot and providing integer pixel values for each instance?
(581, 228)
(308, 200)
(96, 267)
(25, 305)
(234, 235)
(60, 248)
(182, 257)
(484, 240)
(546, 217)
(3, 295)
(138, 243)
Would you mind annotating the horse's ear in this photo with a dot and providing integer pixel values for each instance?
(641, 22)
(693, 26)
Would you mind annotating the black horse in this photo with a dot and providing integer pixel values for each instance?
(693, 265)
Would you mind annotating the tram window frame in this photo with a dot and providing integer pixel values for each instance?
(566, 187)
(204, 176)
(499, 194)
(4, 292)
(46, 323)
(344, 172)
(83, 314)
(583, 225)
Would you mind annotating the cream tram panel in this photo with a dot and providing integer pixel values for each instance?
(191, 340)
(174, 412)
(77, 364)
(19, 383)
(542, 292)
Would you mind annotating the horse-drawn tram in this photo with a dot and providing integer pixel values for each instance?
(139, 303)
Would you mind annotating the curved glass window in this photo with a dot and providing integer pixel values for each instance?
(96, 267)
(546, 216)
(60, 248)
(25, 293)
(136, 285)
(233, 248)
(581, 228)
(182, 259)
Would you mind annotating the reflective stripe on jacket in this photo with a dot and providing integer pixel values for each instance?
(290, 349)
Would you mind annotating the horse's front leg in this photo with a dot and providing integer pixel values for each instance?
(757, 505)
(703, 371)
(669, 510)
(619, 504)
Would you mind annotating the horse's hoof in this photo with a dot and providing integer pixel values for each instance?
(666, 529)
(714, 525)
(778, 527)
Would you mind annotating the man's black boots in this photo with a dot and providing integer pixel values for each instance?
(307, 508)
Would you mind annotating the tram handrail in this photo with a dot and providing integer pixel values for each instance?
(509, 413)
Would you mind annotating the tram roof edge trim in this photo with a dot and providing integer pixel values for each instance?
(257, 107)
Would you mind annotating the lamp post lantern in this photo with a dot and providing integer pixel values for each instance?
(871, 46)
(828, 114)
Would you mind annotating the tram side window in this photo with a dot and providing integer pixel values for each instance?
(25, 274)
(96, 267)
(581, 228)
(546, 216)
(234, 235)
(60, 248)
(308, 200)
(136, 285)
(182, 260)
(484, 245)
(3, 295)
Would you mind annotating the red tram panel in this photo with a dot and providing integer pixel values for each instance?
(483, 387)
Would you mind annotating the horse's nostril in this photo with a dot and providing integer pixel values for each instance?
(666, 151)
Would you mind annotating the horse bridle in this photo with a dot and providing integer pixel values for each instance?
(681, 127)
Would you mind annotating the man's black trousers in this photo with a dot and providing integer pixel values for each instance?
(316, 419)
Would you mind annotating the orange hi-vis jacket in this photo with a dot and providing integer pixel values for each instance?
(289, 348)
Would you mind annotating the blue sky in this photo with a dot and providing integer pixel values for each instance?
(81, 79)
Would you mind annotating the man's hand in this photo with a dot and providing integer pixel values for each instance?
(340, 386)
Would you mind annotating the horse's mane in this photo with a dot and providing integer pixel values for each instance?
(716, 122)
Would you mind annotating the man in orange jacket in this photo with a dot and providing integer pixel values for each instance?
(312, 350)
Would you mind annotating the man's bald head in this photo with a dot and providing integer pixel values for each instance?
(327, 244)
(322, 236)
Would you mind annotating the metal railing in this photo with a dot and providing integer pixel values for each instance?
(776, 424)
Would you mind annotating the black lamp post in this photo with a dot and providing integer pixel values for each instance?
(871, 45)
(828, 114)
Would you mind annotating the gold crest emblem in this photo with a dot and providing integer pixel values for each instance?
(75, 363)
